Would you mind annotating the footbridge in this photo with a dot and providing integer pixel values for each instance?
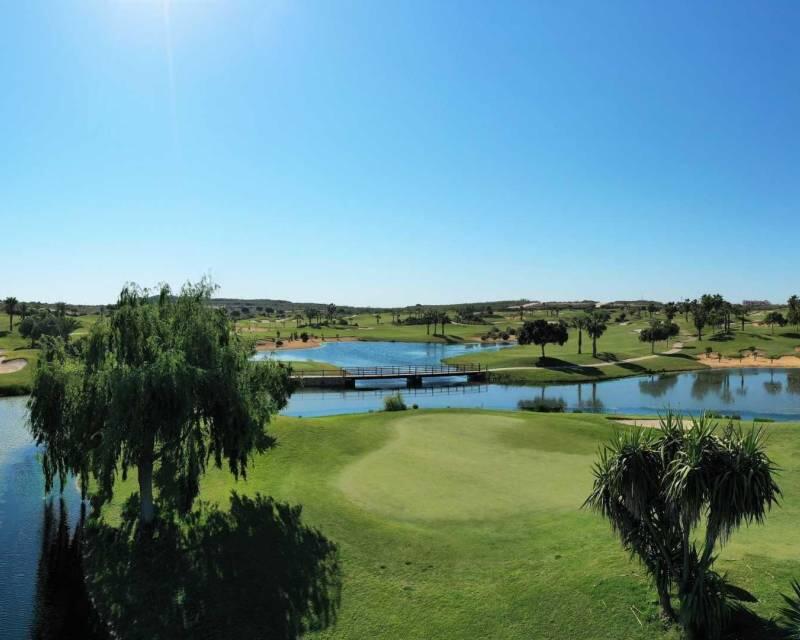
(413, 374)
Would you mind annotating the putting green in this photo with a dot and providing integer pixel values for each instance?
(463, 467)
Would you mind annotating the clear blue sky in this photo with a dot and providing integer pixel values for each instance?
(400, 152)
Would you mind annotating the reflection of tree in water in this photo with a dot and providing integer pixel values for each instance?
(254, 571)
(62, 607)
(741, 390)
(772, 387)
(593, 403)
(793, 382)
(717, 383)
(657, 386)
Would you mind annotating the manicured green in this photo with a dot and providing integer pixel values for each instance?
(468, 524)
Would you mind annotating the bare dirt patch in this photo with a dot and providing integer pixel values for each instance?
(295, 345)
(759, 362)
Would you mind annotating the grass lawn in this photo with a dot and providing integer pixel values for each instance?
(368, 328)
(467, 524)
(310, 365)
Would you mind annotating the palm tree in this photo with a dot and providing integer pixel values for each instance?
(596, 327)
(659, 488)
(791, 611)
(579, 323)
(10, 306)
(443, 320)
(741, 312)
(686, 307)
(378, 318)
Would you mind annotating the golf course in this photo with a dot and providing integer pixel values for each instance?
(469, 525)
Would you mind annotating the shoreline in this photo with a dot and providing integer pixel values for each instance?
(299, 345)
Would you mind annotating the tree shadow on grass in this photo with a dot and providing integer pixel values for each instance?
(557, 364)
(255, 571)
(633, 367)
(746, 625)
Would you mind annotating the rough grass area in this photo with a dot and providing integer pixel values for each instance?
(467, 524)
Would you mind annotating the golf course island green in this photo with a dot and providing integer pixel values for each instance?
(468, 524)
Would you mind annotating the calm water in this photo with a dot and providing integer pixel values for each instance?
(37, 554)
(747, 392)
(369, 354)
(36, 596)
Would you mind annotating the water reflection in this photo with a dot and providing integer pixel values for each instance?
(747, 392)
(793, 382)
(716, 385)
(658, 386)
(62, 608)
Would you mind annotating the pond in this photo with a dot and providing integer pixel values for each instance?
(369, 354)
(41, 584)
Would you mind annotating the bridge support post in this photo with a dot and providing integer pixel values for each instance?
(414, 382)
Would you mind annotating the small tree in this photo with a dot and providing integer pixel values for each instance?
(657, 487)
(657, 331)
(10, 306)
(773, 318)
(542, 332)
(163, 386)
(793, 315)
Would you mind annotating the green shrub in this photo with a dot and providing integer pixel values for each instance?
(394, 402)
(543, 405)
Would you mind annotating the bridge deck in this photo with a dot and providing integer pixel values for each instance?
(348, 375)
(394, 372)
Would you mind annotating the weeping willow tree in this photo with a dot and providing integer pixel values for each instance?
(674, 495)
(162, 387)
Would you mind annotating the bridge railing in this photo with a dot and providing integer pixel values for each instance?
(393, 371)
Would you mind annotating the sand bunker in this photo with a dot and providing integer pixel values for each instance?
(11, 366)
